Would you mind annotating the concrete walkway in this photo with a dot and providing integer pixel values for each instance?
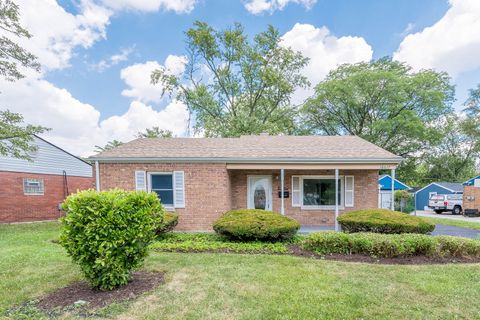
(440, 229)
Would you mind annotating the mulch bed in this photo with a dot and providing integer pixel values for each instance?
(139, 283)
(299, 252)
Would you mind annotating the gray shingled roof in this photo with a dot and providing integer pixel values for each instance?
(251, 148)
(456, 187)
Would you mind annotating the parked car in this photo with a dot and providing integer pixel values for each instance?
(446, 203)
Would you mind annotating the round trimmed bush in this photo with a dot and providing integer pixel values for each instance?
(108, 233)
(170, 221)
(253, 224)
(383, 221)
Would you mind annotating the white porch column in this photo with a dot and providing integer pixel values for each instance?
(97, 176)
(393, 190)
(282, 182)
(336, 200)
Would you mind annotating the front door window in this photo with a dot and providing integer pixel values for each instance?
(260, 192)
(260, 197)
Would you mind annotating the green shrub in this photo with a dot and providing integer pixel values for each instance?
(252, 224)
(108, 233)
(390, 245)
(383, 221)
(170, 221)
(211, 242)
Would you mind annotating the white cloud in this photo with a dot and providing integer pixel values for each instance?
(115, 59)
(325, 51)
(260, 6)
(137, 77)
(178, 6)
(57, 32)
(75, 125)
(452, 44)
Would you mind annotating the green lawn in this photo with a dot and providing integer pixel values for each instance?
(455, 223)
(238, 286)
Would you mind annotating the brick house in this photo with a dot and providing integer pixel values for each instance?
(471, 195)
(33, 190)
(201, 178)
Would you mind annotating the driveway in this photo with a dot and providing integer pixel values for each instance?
(443, 230)
(446, 215)
(440, 230)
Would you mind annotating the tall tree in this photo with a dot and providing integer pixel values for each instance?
(233, 86)
(110, 145)
(383, 101)
(15, 136)
(155, 132)
(455, 158)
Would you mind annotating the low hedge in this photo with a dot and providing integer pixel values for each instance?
(391, 245)
(253, 224)
(383, 221)
(170, 221)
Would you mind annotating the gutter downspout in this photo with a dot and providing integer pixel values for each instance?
(97, 175)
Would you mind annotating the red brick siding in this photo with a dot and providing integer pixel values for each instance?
(211, 189)
(17, 207)
(206, 189)
(365, 193)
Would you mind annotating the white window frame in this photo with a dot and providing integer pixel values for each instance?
(169, 207)
(41, 183)
(299, 190)
(430, 194)
(341, 205)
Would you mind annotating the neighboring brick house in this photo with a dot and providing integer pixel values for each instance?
(33, 190)
(201, 178)
(471, 195)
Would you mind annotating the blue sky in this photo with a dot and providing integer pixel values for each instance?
(94, 52)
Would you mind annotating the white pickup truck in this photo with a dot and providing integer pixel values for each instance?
(446, 202)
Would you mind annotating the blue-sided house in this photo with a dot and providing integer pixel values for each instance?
(422, 195)
(385, 190)
(471, 182)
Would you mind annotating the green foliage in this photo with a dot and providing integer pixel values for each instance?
(391, 245)
(384, 102)
(155, 132)
(234, 86)
(108, 233)
(383, 221)
(204, 242)
(12, 55)
(110, 145)
(15, 137)
(455, 159)
(170, 221)
(253, 224)
(404, 201)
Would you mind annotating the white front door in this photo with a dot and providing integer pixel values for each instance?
(259, 192)
(385, 199)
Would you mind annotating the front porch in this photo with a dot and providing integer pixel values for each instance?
(312, 195)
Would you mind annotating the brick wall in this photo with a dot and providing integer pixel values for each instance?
(206, 189)
(365, 193)
(471, 197)
(17, 207)
(211, 189)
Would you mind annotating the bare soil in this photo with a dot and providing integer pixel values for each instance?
(81, 292)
